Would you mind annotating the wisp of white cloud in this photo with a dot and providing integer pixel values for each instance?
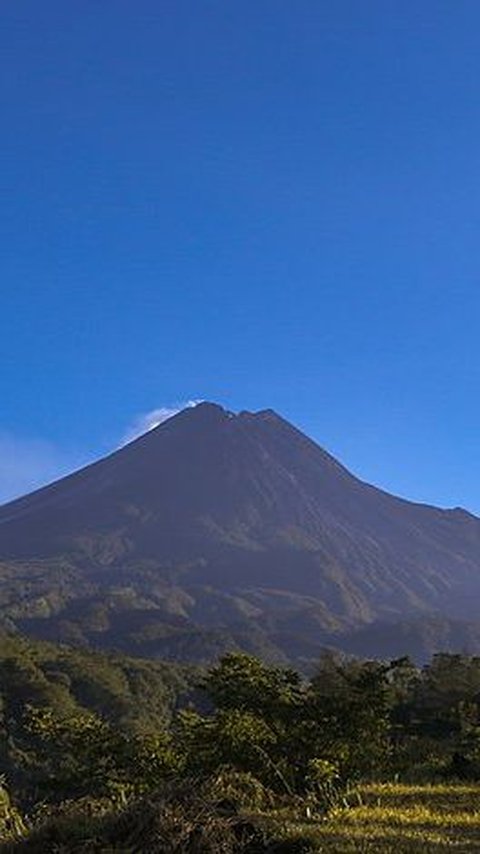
(149, 420)
(27, 464)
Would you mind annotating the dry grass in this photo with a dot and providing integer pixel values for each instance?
(398, 819)
(181, 819)
(381, 818)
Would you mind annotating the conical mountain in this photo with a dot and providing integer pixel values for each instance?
(231, 523)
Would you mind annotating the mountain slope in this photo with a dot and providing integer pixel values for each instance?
(232, 523)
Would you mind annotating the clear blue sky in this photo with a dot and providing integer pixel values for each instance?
(265, 204)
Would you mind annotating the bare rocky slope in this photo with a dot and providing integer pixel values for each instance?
(217, 530)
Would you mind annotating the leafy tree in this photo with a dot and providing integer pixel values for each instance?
(86, 755)
(348, 713)
(266, 722)
(243, 682)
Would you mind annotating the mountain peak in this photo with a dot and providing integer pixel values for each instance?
(204, 412)
(210, 411)
(218, 518)
(210, 407)
(207, 409)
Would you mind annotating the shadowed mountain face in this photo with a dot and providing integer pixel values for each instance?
(237, 524)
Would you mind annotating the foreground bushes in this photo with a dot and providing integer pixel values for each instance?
(261, 738)
(11, 822)
(189, 818)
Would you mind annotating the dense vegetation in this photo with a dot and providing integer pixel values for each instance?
(140, 613)
(96, 749)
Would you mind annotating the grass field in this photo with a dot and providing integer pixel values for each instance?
(385, 818)
(399, 818)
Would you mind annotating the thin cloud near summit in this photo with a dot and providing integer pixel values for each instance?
(149, 420)
(28, 463)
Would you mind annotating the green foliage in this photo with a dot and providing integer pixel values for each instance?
(243, 682)
(240, 788)
(230, 738)
(138, 694)
(259, 736)
(80, 701)
(348, 714)
(85, 755)
(12, 825)
(294, 737)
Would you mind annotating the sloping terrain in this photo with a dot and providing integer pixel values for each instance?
(218, 530)
(132, 693)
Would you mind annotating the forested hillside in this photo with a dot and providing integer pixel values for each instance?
(131, 693)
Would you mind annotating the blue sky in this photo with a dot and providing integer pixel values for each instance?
(265, 204)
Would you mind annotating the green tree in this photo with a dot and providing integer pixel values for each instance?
(85, 755)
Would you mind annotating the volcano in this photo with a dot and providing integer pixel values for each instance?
(217, 530)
